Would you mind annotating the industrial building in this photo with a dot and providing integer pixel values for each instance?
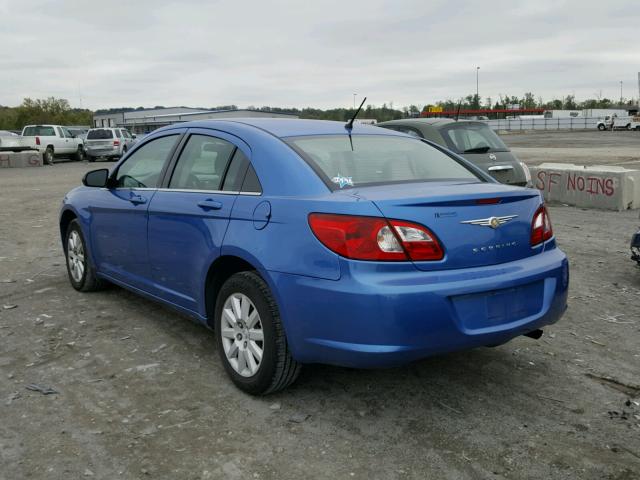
(145, 121)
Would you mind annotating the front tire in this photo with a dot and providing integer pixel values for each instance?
(250, 336)
(601, 127)
(82, 273)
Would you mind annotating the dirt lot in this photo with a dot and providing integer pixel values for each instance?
(141, 393)
(583, 147)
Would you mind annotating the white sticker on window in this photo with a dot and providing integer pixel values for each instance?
(343, 181)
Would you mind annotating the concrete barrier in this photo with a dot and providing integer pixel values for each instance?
(599, 186)
(28, 158)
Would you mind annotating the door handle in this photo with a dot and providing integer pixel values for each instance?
(137, 199)
(210, 204)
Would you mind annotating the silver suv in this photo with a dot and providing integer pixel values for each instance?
(111, 143)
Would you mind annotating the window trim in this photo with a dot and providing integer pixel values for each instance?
(174, 162)
(220, 134)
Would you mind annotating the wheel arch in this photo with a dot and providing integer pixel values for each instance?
(219, 271)
(66, 217)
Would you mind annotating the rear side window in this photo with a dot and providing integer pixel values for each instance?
(377, 159)
(251, 183)
(100, 134)
(472, 138)
(235, 172)
(202, 163)
(143, 167)
(39, 131)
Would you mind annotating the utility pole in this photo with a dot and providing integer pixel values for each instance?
(477, 85)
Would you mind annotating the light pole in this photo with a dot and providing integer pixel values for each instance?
(354, 100)
(620, 92)
(477, 89)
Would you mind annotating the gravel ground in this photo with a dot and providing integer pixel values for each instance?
(583, 147)
(141, 393)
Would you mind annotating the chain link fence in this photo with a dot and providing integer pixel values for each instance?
(570, 123)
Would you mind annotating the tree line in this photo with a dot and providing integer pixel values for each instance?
(58, 110)
(529, 101)
(52, 110)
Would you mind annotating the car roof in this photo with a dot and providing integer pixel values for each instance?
(282, 128)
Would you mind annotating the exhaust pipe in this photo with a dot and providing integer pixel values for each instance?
(535, 334)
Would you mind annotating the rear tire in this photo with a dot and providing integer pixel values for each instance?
(601, 127)
(47, 156)
(245, 312)
(82, 273)
(79, 155)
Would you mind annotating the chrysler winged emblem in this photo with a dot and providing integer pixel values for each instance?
(493, 222)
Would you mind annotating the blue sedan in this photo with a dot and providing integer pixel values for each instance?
(303, 241)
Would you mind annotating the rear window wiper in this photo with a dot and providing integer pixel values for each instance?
(484, 149)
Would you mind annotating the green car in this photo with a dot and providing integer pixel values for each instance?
(473, 140)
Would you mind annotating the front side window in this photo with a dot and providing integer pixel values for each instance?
(202, 163)
(472, 138)
(144, 166)
(377, 159)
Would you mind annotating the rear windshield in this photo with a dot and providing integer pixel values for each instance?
(376, 159)
(39, 132)
(100, 134)
(472, 138)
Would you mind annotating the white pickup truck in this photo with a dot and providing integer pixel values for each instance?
(619, 123)
(54, 141)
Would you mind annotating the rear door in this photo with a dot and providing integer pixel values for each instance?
(189, 216)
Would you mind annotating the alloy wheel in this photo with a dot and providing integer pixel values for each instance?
(242, 334)
(75, 256)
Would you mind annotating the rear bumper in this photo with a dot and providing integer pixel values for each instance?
(372, 318)
(97, 151)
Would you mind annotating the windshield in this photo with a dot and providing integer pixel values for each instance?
(376, 159)
(100, 134)
(39, 131)
(472, 138)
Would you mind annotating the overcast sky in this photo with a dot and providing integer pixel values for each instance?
(314, 53)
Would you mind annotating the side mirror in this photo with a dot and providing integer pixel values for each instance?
(96, 178)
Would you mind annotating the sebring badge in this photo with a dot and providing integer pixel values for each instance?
(493, 222)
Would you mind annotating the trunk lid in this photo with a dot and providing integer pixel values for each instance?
(455, 213)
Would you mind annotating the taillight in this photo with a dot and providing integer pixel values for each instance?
(116, 143)
(37, 140)
(541, 230)
(375, 238)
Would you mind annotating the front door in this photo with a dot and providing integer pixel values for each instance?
(119, 215)
(188, 219)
